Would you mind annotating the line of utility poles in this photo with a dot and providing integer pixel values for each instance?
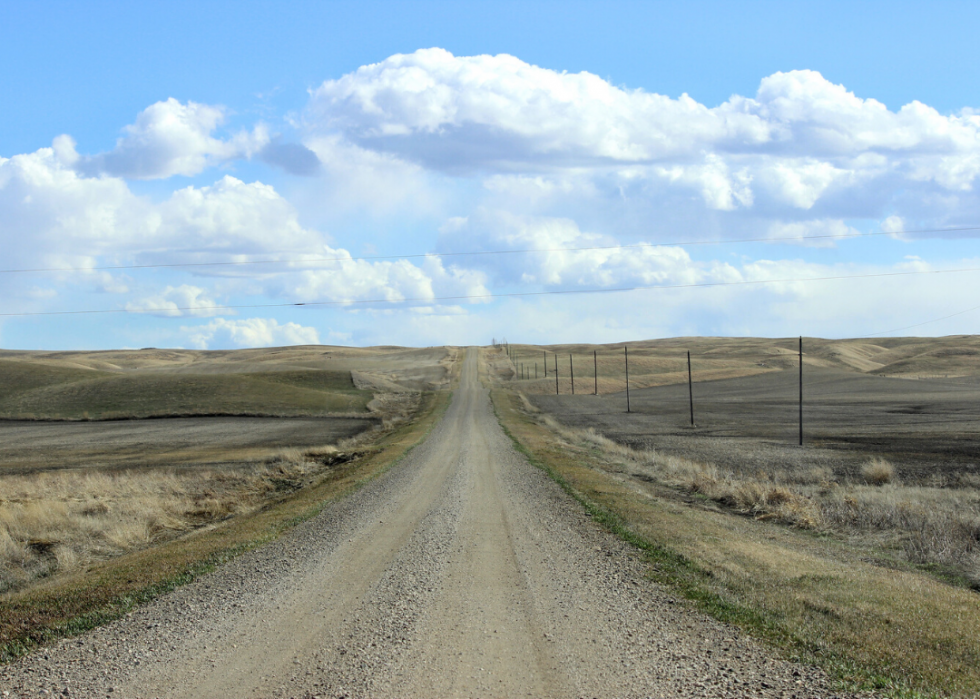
(524, 372)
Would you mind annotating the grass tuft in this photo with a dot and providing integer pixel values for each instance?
(878, 471)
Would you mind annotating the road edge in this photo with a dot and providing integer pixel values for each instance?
(684, 576)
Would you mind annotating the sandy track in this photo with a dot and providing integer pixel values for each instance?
(462, 572)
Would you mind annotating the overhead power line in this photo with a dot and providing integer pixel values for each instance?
(477, 253)
(478, 297)
(925, 322)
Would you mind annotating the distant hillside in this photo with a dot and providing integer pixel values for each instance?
(152, 383)
(662, 362)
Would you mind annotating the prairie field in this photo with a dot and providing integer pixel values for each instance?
(102, 453)
(278, 382)
(664, 362)
(891, 454)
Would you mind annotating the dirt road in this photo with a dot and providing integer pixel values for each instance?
(462, 572)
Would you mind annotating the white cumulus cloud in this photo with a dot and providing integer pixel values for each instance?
(554, 252)
(508, 156)
(801, 143)
(173, 138)
(251, 332)
(183, 300)
(346, 280)
(54, 216)
(461, 112)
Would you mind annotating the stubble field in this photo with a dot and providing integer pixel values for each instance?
(106, 452)
(929, 428)
(891, 454)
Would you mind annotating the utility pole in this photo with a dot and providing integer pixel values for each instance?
(571, 372)
(556, 374)
(595, 370)
(626, 353)
(545, 354)
(801, 390)
(690, 387)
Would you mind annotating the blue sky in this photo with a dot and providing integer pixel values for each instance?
(281, 134)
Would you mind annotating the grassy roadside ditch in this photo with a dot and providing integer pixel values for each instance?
(895, 632)
(68, 605)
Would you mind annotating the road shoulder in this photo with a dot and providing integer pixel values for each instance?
(890, 632)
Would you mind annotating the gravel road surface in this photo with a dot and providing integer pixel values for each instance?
(463, 572)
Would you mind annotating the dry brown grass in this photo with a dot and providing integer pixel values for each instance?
(394, 408)
(890, 629)
(68, 604)
(934, 526)
(52, 522)
(878, 471)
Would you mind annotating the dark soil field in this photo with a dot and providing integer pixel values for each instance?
(929, 428)
(27, 447)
